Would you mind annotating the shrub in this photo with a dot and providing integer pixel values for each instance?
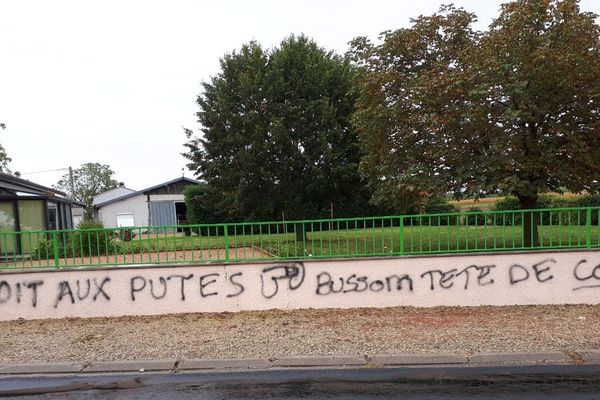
(551, 200)
(441, 206)
(125, 234)
(507, 203)
(44, 249)
(588, 200)
(91, 239)
(473, 217)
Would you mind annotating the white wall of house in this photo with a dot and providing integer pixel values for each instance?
(77, 215)
(111, 214)
(136, 205)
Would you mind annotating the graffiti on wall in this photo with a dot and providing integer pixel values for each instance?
(278, 280)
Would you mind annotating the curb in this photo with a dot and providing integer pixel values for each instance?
(131, 366)
(317, 361)
(223, 364)
(590, 356)
(408, 360)
(582, 357)
(57, 368)
(519, 358)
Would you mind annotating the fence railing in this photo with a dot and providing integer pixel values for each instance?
(466, 232)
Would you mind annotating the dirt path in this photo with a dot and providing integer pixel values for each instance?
(304, 332)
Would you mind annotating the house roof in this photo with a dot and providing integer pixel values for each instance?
(111, 195)
(22, 187)
(147, 190)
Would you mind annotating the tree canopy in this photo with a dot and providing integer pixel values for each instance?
(277, 134)
(4, 158)
(515, 108)
(89, 180)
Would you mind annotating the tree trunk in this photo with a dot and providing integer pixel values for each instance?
(530, 221)
(300, 230)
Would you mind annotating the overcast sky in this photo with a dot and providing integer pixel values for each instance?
(114, 81)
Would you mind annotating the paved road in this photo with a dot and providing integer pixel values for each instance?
(545, 382)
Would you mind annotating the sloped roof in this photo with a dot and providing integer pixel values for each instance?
(111, 195)
(147, 190)
(13, 184)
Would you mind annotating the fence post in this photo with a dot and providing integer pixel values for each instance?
(55, 248)
(402, 251)
(226, 238)
(588, 227)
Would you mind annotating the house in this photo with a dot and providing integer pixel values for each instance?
(158, 205)
(78, 212)
(27, 208)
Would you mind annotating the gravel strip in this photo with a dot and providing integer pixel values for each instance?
(207, 255)
(271, 334)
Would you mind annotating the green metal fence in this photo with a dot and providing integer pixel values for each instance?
(468, 232)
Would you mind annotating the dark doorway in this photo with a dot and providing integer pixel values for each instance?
(181, 213)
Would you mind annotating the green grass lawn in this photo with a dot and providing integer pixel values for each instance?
(364, 241)
(271, 242)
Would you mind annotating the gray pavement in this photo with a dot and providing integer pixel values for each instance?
(423, 381)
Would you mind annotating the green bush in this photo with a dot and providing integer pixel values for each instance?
(125, 234)
(552, 200)
(90, 239)
(590, 200)
(551, 217)
(443, 208)
(440, 207)
(507, 203)
(44, 249)
(473, 217)
(92, 243)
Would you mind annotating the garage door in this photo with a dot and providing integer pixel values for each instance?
(163, 213)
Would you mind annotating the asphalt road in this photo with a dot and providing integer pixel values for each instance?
(533, 382)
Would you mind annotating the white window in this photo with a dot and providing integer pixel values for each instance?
(125, 219)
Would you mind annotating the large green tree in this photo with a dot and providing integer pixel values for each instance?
(277, 136)
(515, 108)
(88, 180)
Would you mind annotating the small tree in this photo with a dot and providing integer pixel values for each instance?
(515, 108)
(89, 180)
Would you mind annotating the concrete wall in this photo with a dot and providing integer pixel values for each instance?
(472, 280)
(137, 205)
